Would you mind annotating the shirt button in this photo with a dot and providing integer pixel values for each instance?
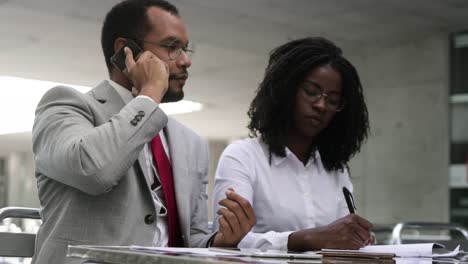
(149, 219)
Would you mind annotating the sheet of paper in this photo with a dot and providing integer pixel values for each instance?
(405, 250)
(270, 253)
(225, 252)
(413, 260)
(448, 254)
(185, 251)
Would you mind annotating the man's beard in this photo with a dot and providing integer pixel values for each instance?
(172, 96)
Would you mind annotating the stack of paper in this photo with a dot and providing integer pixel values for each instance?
(228, 252)
(385, 251)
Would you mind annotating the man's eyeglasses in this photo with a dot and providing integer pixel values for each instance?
(173, 50)
(334, 102)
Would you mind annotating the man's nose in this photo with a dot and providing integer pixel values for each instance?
(183, 60)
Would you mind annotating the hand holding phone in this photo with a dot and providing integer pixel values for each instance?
(149, 74)
(119, 58)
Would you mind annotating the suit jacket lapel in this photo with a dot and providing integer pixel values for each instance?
(112, 104)
(108, 97)
(182, 181)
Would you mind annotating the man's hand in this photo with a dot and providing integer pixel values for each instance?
(237, 218)
(349, 232)
(149, 74)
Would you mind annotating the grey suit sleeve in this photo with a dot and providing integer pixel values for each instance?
(199, 233)
(71, 149)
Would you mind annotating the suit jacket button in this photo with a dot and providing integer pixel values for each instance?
(149, 219)
(134, 122)
(141, 113)
(138, 117)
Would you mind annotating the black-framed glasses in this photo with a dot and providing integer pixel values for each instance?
(333, 101)
(174, 49)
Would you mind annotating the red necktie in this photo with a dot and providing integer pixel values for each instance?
(165, 175)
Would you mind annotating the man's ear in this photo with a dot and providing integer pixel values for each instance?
(119, 43)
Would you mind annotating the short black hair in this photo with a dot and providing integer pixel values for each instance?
(271, 110)
(128, 19)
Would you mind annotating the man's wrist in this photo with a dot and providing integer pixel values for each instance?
(152, 93)
(210, 241)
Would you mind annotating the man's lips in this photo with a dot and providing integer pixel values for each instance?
(179, 77)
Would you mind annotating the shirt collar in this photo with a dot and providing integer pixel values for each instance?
(124, 93)
(277, 160)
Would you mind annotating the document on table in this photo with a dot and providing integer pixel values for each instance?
(228, 252)
(270, 253)
(405, 250)
(182, 251)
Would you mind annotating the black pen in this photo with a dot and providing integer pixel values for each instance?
(349, 200)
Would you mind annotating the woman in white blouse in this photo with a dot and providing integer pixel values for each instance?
(307, 120)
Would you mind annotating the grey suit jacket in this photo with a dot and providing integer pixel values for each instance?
(90, 172)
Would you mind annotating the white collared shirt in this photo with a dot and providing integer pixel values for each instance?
(286, 195)
(161, 236)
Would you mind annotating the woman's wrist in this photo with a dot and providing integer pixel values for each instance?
(304, 240)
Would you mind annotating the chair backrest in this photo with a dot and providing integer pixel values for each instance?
(382, 233)
(18, 244)
(421, 232)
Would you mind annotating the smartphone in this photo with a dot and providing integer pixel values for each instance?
(119, 58)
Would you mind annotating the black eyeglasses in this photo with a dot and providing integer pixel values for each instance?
(173, 50)
(334, 102)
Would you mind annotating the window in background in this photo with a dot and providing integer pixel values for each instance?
(458, 169)
(3, 183)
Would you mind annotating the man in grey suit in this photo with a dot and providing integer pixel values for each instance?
(100, 178)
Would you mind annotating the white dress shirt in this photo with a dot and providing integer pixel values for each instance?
(161, 236)
(286, 195)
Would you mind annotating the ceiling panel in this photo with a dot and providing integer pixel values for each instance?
(58, 40)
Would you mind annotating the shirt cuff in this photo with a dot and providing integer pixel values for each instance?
(269, 240)
(246, 241)
(209, 243)
(147, 97)
(280, 240)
